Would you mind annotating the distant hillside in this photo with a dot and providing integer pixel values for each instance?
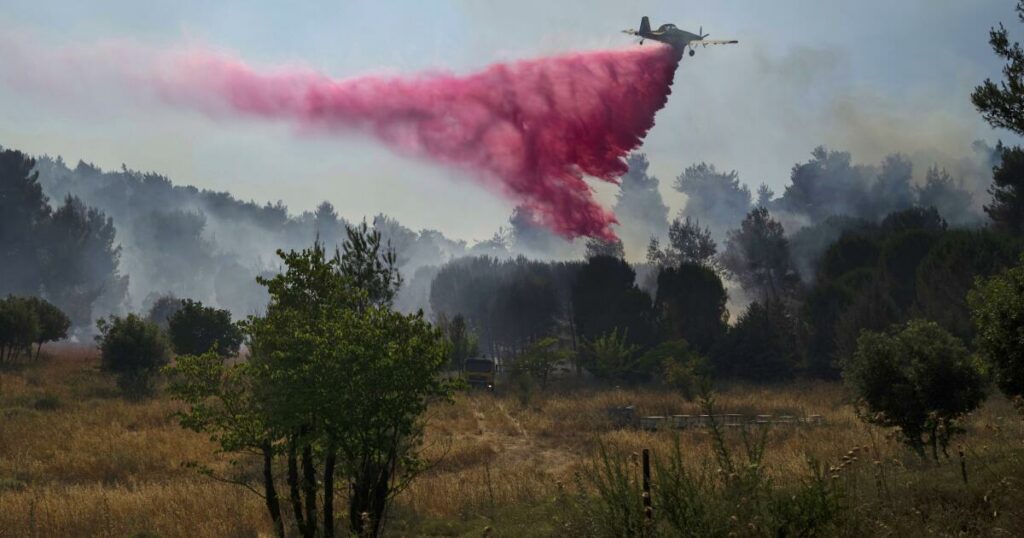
(210, 245)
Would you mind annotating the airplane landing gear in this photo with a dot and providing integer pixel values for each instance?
(692, 52)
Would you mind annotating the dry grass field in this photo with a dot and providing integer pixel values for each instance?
(78, 460)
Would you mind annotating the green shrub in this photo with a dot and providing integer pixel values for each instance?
(133, 349)
(997, 309)
(919, 379)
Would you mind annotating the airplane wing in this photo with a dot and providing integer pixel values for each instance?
(706, 42)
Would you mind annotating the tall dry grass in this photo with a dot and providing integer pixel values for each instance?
(78, 460)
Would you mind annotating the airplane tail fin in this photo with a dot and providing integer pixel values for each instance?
(645, 26)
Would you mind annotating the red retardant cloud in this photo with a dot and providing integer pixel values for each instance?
(530, 129)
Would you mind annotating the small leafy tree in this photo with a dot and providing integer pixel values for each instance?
(611, 357)
(195, 329)
(53, 323)
(997, 309)
(19, 327)
(919, 379)
(335, 389)
(540, 360)
(133, 349)
(681, 368)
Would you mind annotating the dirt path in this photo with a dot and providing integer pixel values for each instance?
(513, 421)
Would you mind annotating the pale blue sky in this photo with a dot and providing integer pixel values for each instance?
(870, 76)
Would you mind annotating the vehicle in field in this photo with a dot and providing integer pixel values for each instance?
(479, 373)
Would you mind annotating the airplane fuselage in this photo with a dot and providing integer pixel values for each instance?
(680, 40)
(670, 35)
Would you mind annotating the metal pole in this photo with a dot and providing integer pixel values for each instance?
(648, 511)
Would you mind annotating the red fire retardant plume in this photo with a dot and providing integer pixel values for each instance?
(530, 129)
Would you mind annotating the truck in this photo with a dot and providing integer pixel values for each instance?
(479, 372)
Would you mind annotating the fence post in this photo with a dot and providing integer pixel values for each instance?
(648, 511)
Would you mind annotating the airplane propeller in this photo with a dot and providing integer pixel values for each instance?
(701, 32)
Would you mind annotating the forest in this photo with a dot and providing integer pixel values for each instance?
(762, 285)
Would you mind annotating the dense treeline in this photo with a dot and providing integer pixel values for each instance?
(909, 266)
(65, 254)
(813, 292)
(510, 303)
(210, 246)
(875, 275)
(120, 240)
(832, 184)
(141, 237)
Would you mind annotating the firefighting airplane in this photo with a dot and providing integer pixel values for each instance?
(678, 39)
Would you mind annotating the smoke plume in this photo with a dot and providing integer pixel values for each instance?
(532, 130)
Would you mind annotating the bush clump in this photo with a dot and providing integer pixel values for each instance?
(134, 349)
(195, 329)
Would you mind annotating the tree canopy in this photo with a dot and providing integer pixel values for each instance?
(195, 329)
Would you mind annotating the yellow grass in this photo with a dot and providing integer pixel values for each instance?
(77, 460)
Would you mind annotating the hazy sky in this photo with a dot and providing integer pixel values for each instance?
(873, 77)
